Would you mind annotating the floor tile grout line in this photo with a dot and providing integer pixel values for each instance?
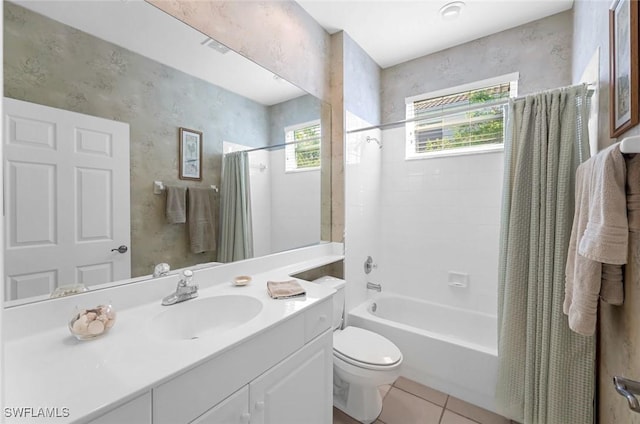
(420, 397)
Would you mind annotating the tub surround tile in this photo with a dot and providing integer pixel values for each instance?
(401, 407)
(426, 393)
(453, 418)
(473, 412)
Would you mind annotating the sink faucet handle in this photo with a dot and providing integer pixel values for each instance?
(161, 269)
(187, 277)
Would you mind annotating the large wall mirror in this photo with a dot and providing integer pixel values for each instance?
(130, 63)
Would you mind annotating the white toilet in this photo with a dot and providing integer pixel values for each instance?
(362, 361)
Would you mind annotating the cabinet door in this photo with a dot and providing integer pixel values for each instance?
(137, 411)
(298, 390)
(232, 410)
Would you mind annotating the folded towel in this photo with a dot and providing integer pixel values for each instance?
(176, 205)
(284, 289)
(599, 236)
(202, 234)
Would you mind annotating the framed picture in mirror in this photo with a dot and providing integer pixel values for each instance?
(623, 62)
(190, 155)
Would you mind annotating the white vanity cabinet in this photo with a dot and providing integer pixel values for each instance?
(232, 410)
(281, 375)
(297, 390)
(136, 411)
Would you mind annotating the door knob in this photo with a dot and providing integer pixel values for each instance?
(121, 249)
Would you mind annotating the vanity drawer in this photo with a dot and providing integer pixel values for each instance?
(318, 319)
(187, 396)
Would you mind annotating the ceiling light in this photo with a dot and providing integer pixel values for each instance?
(451, 10)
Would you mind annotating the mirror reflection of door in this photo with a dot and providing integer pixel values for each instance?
(66, 199)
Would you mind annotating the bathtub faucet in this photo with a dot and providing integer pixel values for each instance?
(374, 286)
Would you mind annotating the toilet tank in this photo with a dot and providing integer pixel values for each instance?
(338, 298)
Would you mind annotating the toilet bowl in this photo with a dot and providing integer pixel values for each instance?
(362, 361)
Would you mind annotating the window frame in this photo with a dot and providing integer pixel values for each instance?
(410, 153)
(290, 147)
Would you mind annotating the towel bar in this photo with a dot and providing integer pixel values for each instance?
(158, 187)
(630, 144)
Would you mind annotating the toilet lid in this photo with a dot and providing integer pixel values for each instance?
(366, 347)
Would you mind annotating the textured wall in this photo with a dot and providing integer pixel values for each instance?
(540, 51)
(52, 64)
(362, 82)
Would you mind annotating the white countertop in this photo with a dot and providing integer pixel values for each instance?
(46, 367)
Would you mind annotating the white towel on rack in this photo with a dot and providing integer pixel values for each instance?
(599, 239)
(176, 205)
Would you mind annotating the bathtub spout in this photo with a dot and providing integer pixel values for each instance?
(374, 286)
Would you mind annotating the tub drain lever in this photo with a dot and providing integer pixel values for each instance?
(628, 388)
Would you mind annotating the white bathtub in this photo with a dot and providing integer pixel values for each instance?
(449, 349)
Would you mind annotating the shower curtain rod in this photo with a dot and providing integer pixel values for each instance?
(394, 124)
(273, 146)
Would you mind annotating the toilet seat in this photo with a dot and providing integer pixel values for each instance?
(365, 349)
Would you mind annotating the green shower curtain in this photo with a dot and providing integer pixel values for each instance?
(546, 372)
(236, 234)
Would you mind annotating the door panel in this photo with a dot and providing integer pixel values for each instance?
(66, 199)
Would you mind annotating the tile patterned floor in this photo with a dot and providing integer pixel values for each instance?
(407, 402)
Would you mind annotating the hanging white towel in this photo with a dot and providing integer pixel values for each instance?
(202, 235)
(176, 205)
(599, 239)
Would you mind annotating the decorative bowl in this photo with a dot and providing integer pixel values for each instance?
(87, 324)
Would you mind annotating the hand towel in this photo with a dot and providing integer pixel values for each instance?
(599, 239)
(176, 205)
(202, 234)
(285, 289)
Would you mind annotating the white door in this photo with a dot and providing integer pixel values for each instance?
(299, 389)
(66, 199)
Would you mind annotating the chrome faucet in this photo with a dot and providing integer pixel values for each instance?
(186, 290)
(161, 270)
(374, 286)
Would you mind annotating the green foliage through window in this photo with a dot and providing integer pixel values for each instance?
(461, 120)
(304, 150)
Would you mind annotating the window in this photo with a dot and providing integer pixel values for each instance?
(303, 146)
(460, 120)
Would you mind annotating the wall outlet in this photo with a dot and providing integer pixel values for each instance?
(458, 279)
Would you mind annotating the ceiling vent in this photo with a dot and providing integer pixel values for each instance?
(213, 44)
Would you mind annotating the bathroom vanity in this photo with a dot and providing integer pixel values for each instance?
(259, 360)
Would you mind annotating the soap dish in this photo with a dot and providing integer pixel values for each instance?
(88, 324)
(68, 290)
(241, 280)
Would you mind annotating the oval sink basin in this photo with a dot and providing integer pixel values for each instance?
(195, 319)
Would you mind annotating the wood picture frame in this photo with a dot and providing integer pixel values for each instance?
(623, 64)
(190, 142)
